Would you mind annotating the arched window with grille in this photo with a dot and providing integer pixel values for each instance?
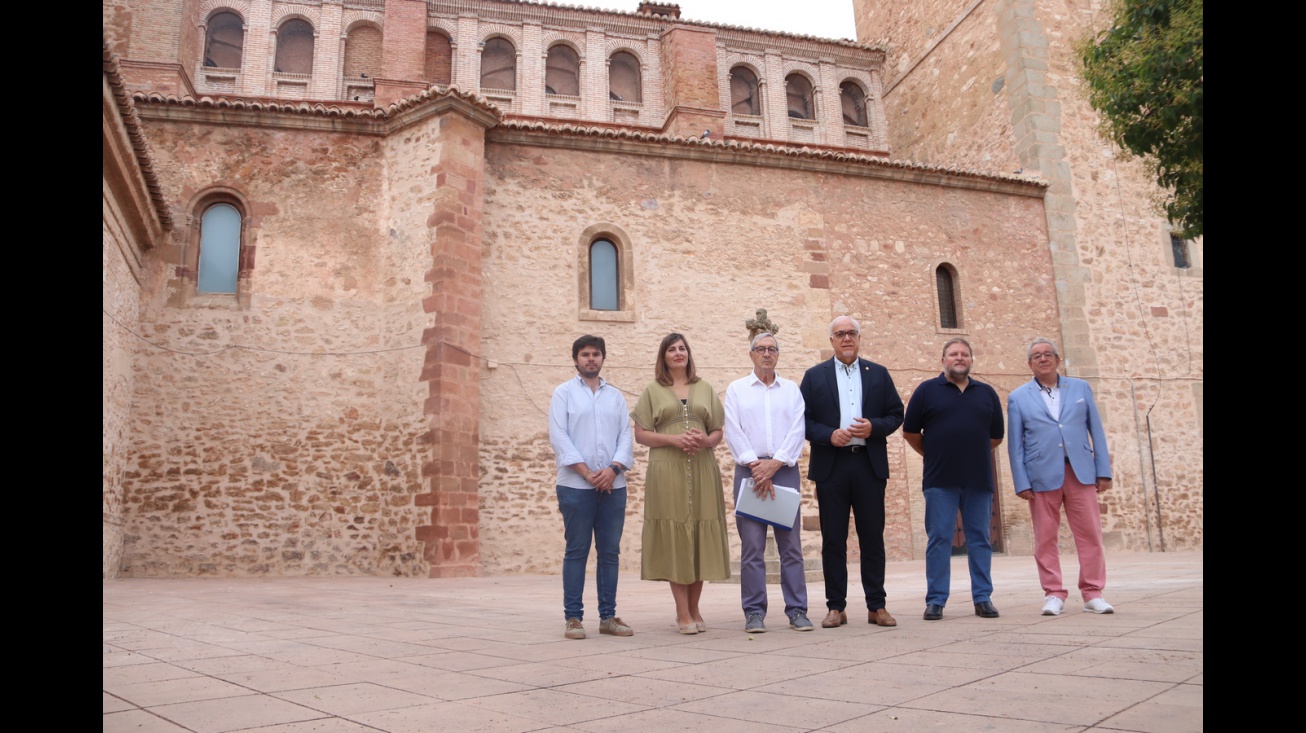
(744, 98)
(294, 47)
(562, 71)
(219, 257)
(499, 65)
(224, 40)
(947, 287)
(605, 276)
(798, 93)
(853, 100)
(624, 82)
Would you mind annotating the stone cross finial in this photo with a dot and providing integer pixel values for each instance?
(760, 324)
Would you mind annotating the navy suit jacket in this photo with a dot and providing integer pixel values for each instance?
(880, 404)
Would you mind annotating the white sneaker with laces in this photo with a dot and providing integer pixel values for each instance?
(1098, 605)
(1052, 606)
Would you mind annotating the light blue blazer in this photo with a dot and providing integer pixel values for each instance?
(1039, 445)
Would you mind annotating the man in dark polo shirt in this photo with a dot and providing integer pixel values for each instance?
(955, 422)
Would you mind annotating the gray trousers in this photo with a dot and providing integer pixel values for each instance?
(752, 547)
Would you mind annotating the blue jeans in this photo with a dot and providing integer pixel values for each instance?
(586, 514)
(941, 506)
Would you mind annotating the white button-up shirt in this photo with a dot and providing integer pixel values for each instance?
(849, 380)
(590, 427)
(764, 420)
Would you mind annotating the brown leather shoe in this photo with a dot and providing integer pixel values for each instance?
(881, 617)
(834, 619)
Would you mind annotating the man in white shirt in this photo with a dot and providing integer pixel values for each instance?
(765, 431)
(589, 427)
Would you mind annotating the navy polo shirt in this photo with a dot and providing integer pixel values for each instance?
(955, 428)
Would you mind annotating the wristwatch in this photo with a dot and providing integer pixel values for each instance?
(617, 468)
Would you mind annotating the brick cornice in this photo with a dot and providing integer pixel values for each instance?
(629, 22)
(823, 160)
(361, 118)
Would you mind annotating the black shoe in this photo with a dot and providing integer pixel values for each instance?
(986, 609)
(934, 612)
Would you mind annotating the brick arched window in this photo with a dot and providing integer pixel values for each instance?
(853, 100)
(624, 82)
(798, 93)
(499, 65)
(294, 47)
(948, 289)
(744, 98)
(363, 52)
(224, 40)
(562, 71)
(439, 58)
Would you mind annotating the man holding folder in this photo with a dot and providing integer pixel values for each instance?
(765, 431)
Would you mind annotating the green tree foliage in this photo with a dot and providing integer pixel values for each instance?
(1145, 76)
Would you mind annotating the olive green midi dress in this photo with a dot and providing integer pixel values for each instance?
(684, 538)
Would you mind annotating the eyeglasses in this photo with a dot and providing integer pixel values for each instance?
(1041, 355)
(841, 335)
(766, 349)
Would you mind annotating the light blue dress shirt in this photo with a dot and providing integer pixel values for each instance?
(590, 427)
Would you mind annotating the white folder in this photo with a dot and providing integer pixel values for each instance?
(782, 511)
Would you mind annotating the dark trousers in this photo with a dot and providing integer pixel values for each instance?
(852, 485)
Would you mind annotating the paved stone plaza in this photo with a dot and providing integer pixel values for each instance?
(403, 655)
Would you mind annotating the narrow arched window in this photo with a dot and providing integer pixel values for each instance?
(294, 47)
(945, 279)
(224, 41)
(499, 65)
(798, 92)
(853, 100)
(219, 260)
(439, 58)
(363, 52)
(743, 92)
(562, 71)
(604, 278)
(624, 78)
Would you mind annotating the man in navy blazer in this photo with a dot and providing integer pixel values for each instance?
(851, 408)
(1059, 457)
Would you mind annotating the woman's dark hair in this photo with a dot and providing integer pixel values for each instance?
(660, 371)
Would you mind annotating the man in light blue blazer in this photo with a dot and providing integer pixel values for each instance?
(1059, 458)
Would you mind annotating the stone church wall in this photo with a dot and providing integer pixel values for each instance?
(1131, 322)
(281, 437)
(712, 242)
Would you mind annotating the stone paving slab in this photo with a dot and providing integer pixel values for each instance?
(391, 655)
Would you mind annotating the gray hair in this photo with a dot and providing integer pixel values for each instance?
(856, 325)
(1029, 352)
(762, 335)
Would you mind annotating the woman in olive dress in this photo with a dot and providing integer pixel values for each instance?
(680, 418)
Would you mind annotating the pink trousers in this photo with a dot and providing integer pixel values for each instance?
(1080, 501)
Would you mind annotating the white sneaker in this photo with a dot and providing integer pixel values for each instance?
(1098, 605)
(1052, 606)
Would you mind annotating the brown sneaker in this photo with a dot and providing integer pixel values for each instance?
(881, 617)
(834, 619)
(574, 629)
(615, 626)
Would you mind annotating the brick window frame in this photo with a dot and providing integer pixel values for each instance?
(625, 312)
(187, 272)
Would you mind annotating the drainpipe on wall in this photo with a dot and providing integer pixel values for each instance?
(1138, 430)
